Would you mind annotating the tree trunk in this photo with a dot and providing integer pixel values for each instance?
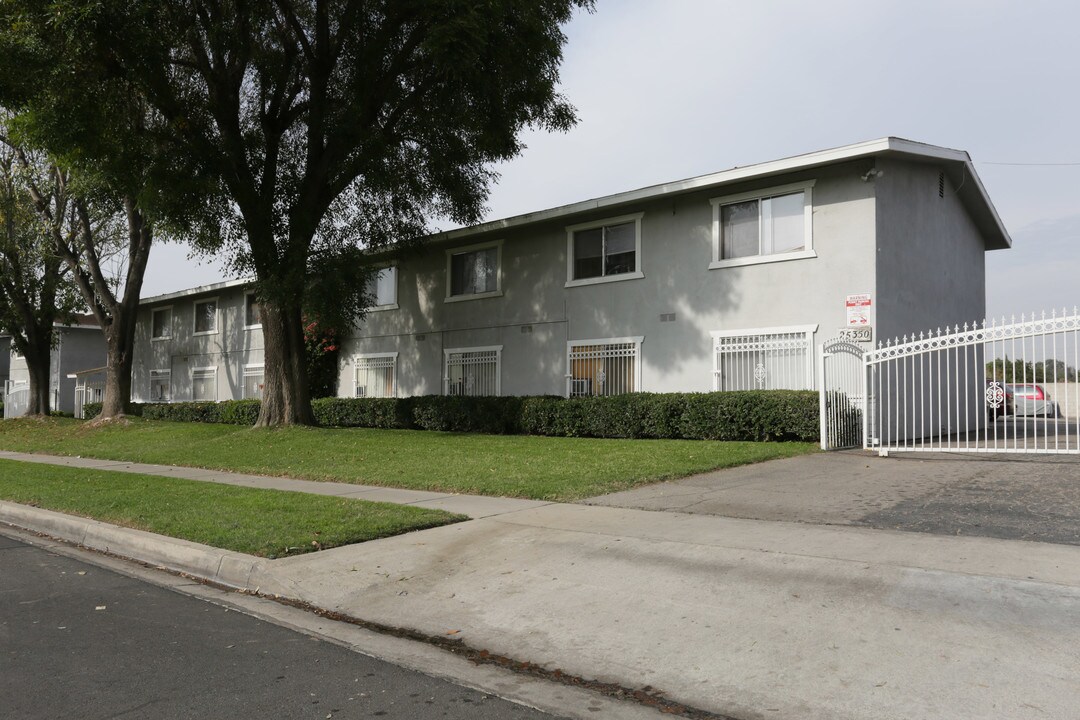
(286, 399)
(39, 366)
(119, 341)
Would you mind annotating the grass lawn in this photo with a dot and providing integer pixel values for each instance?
(268, 523)
(542, 468)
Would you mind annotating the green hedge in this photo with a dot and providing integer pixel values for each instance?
(746, 415)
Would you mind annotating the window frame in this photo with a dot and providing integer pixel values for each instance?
(637, 341)
(160, 372)
(636, 274)
(195, 318)
(808, 330)
(153, 312)
(356, 359)
(211, 369)
(806, 187)
(389, 306)
(451, 252)
(447, 352)
(250, 295)
(249, 370)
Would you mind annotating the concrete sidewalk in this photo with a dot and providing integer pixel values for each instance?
(748, 618)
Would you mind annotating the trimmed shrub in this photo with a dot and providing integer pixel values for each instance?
(385, 413)
(744, 415)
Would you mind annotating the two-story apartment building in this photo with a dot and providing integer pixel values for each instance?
(720, 282)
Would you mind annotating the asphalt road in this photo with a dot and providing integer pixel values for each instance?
(80, 641)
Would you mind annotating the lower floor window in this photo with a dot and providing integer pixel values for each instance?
(204, 384)
(253, 382)
(160, 381)
(472, 371)
(374, 376)
(604, 367)
(764, 359)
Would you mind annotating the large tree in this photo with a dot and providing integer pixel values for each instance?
(121, 182)
(35, 288)
(329, 126)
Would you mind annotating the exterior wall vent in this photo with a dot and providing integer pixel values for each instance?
(421, 338)
(667, 317)
(526, 329)
(941, 185)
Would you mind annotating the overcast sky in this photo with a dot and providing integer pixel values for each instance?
(670, 89)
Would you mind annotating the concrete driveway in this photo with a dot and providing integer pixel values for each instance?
(1029, 497)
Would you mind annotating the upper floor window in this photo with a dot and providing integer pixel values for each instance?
(763, 226)
(474, 271)
(161, 323)
(206, 317)
(252, 311)
(382, 289)
(604, 250)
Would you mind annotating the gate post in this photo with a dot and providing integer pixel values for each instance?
(823, 423)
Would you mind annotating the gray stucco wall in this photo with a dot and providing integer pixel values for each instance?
(676, 249)
(931, 269)
(229, 349)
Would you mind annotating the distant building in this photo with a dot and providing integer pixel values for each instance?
(79, 346)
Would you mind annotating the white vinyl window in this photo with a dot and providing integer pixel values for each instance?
(604, 250)
(375, 375)
(161, 323)
(204, 384)
(473, 371)
(779, 358)
(474, 272)
(382, 289)
(253, 382)
(252, 312)
(160, 381)
(206, 317)
(763, 226)
(611, 366)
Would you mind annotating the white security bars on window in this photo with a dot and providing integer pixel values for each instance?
(763, 360)
(472, 371)
(253, 382)
(985, 387)
(374, 376)
(204, 384)
(603, 368)
(159, 385)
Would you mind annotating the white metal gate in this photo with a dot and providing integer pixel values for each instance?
(1008, 386)
(842, 393)
(16, 401)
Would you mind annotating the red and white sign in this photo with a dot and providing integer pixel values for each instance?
(858, 310)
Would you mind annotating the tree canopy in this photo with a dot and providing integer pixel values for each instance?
(325, 129)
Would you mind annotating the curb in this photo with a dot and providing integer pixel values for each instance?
(232, 569)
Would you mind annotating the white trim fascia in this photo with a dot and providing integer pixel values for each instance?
(161, 371)
(451, 252)
(217, 316)
(891, 145)
(637, 274)
(172, 317)
(764, 331)
(214, 287)
(806, 187)
(254, 366)
(204, 368)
